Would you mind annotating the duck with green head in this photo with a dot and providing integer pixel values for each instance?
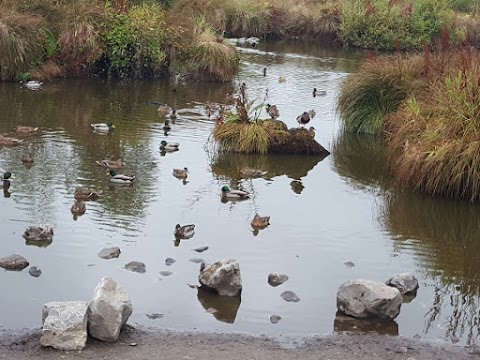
(121, 178)
(102, 127)
(169, 146)
(229, 194)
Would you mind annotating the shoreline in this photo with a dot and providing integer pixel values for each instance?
(148, 343)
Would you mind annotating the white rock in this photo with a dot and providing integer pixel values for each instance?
(222, 276)
(364, 298)
(405, 283)
(64, 325)
(109, 310)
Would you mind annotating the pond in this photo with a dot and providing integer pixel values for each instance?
(324, 212)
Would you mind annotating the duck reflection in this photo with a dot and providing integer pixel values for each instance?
(223, 308)
(344, 323)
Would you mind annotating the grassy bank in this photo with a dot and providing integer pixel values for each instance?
(427, 106)
(149, 38)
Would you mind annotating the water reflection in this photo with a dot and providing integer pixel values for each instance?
(223, 308)
(344, 323)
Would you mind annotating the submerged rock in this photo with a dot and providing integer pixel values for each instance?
(406, 283)
(169, 261)
(109, 310)
(35, 271)
(38, 233)
(349, 264)
(201, 249)
(223, 277)
(136, 266)
(14, 262)
(64, 325)
(166, 273)
(274, 319)
(197, 261)
(290, 296)
(109, 253)
(365, 298)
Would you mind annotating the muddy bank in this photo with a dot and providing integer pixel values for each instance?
(144, 343)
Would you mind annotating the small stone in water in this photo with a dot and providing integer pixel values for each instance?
(349, 264)
(169, 261)
(109, 253)
(276, 278)
(201, 249)
(154, 316)
(289, 296)
(196, 260)
(34, 271)
(136, 266)
(275, 319)
(166, 273)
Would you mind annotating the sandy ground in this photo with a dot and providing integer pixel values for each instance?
(146, 344)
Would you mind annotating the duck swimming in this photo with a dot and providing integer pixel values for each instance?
(120, 178)
(9, 141)
(103, 127)
(166, 126)
(260, 222)
(5, 180)
(252, 173)
(33, 85)
(228, 194)
(180, 173)
(163, 110)
(27, 159)
(111, 164)
(78, 208)
(83, 194)
(25, 129)
(169, 147)
(185, 231)
(316, 92)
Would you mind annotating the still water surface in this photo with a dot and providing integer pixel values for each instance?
(323, 212)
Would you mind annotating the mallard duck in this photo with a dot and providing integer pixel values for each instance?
(102, 127)
(209, 109)
(311, 130)
(311, 113)
(25, 129)
(27, 159)
(273, 111)
(166, 126)
(38, 233)
(78, 207)
(260, 222)
(253, 173)
(121, 178)
(33, 85)
(185, 231)
(169, 147)
(9, 141)
(111, 164)
(282, 79)
(5, 180)
(163, 110)
(234, 194)
(318, 92)
(85, 194)
(303, 119)
(173, 114)
(180, 173)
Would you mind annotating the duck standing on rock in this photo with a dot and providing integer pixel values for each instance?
(303, 119)
(185, 231)
(121, 178)
(273, 111)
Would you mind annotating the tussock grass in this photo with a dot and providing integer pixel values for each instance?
(376, 90)
(253, 137)
(434, 137)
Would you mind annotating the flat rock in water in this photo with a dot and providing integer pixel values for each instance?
(169, 261)
(154, 316)
(13, 262)
(109, 253)
(276, 278)
(166, 273)
(289, 296)
(349, 264)
(136, 266)
(196, 260)
(201, 249)
(275, 319)
(35, 271)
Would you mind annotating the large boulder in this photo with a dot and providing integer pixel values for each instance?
(365, 298)
(109, 310)
(64, 325)
(13, 262)
(223, 277)
(406, 283)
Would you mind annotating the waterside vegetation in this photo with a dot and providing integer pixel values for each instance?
(427, 107)
(149, 38)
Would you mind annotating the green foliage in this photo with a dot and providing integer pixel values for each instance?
(24, 77)
(383, 24)
(50, 43)
(135, 42)
(465, 6)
